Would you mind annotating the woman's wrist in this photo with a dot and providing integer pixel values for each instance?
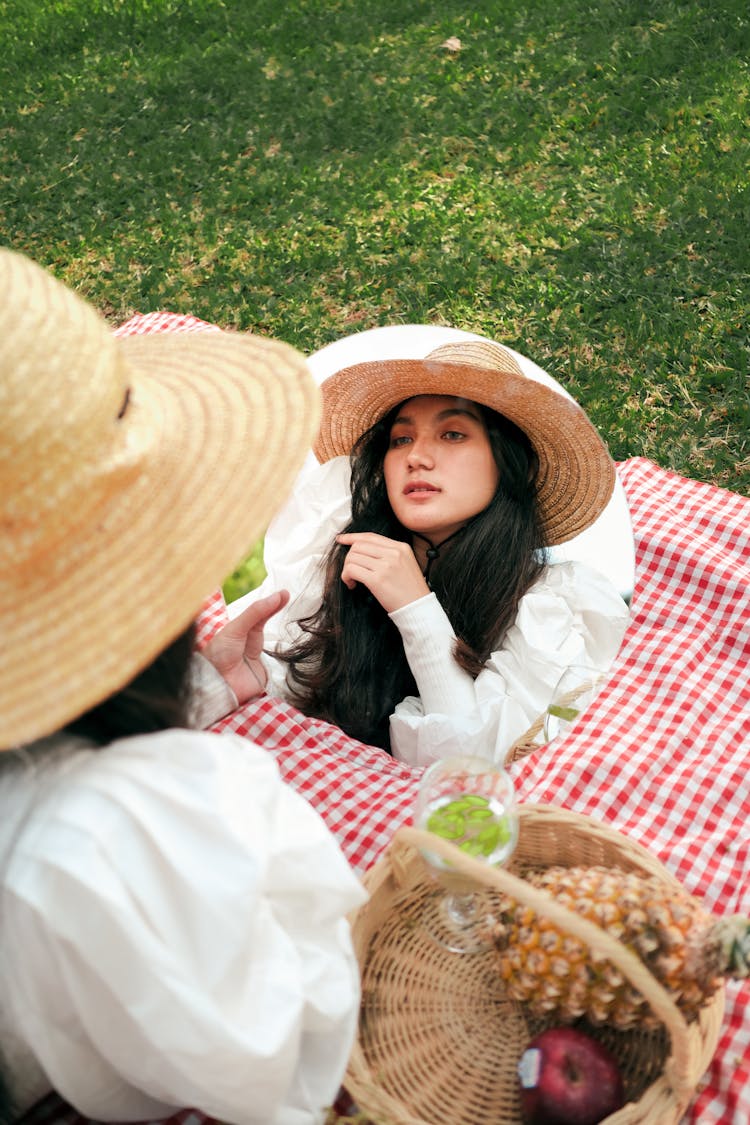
(259, 675)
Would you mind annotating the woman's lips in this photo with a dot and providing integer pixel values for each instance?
(417, 487)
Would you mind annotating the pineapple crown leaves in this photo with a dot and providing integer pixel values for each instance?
(733, 934)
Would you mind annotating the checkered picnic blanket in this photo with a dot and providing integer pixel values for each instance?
(663, 753)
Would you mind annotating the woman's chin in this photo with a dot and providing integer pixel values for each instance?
(435, 532)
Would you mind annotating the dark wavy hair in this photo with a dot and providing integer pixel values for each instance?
(8, 1113)
(349, 666)
(156, 699)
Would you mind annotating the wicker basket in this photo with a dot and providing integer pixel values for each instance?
(439, 1041)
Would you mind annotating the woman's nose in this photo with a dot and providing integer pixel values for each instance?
(420, 455)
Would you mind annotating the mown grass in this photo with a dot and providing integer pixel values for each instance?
(573, 181)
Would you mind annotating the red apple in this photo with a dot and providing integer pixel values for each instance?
(345, 1106)
(568, 1078)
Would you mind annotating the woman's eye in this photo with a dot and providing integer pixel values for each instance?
(401, 439)
(454, 435)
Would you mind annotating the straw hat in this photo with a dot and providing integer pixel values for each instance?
(134, 474)
(576, 473)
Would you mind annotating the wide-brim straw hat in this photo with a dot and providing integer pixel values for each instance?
(134, 475)
(576, 473)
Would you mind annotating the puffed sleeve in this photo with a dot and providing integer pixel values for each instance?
(572, 614)
(177, 921)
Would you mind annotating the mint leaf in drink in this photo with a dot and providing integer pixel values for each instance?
(560, 712)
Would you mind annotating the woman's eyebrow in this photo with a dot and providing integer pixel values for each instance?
(449, 412)
(454, 411)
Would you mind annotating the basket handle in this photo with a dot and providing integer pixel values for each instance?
(594, 936)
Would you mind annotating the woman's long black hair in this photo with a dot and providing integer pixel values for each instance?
(8, 1112)
(349, 666)
(156, 699)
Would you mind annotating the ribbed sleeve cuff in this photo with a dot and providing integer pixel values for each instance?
(429, 640)
(212, 696)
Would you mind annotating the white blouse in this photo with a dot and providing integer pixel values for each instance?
(571, 615)
(173, 932)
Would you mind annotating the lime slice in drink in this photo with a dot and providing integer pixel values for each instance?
(471, 824)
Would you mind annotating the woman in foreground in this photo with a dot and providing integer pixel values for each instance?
(172, 916)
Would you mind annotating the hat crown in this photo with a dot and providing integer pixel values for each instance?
(482, 354)
(63, 429)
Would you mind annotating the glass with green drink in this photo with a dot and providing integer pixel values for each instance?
(577, 687)
(469, 801)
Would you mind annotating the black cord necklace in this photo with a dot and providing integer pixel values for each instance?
(434, 549)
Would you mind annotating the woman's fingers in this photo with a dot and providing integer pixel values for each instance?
(236, 648)
(386, 566)
(249, 625)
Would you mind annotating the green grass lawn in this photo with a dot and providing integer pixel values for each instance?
(572, 181)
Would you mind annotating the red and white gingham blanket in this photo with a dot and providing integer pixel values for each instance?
(663, 754)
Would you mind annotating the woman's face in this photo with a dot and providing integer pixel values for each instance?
(439, 469)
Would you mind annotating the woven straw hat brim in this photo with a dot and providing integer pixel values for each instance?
(219, 424)
(576, 473)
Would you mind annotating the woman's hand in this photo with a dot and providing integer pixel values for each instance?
(235, 650)
(385, 566)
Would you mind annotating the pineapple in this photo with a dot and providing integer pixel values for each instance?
(686, 949)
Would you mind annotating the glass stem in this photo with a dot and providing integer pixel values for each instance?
(461, 910)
